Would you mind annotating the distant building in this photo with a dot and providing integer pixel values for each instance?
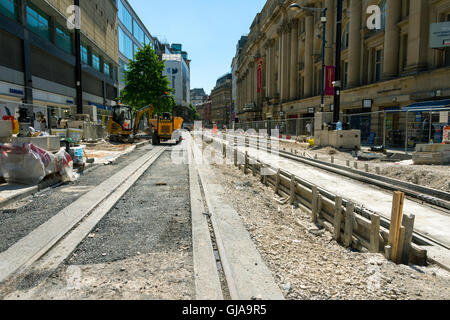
(204, 110)
(132, 35)
(178, 73)
(197, 96)
(234, 68)
(221, 101)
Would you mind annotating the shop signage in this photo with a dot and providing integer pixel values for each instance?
(367, 103)
(311, 110)
(15, 91)
(259, 61)
(440, 35)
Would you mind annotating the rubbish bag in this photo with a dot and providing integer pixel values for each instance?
(28, 164)
(21, 164)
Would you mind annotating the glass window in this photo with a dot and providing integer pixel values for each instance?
(378, 65)
(84, 55)
(96, 61)
(346, 37)
(38, 23)
(123, 68)
(63, 39)
(125, 17)
(138, 33)
(125, 44)
(136, 48)
(107, 69)
(9, 8)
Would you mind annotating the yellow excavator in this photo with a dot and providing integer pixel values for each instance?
(123, 125)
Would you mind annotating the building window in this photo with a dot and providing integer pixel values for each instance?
(346, 37)
(138, 33)
(447, 50)
(383, 5)
(38, 22)
(84, 55)
(378, 65)
(107, 69)
(136, 48)
(9, 8)
(63, 39)
(123, 68)
(96, 61)
(125, 44)
(345, 68)
(125, 17)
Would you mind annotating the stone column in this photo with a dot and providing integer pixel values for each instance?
(392, 39)
(268, 67)
(308, 78)
(418, 29)
(294, 60)
(280, 60)
(285, 61)
(330, 36)
(354, 52)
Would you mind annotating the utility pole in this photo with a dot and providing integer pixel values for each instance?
(337, 85)
(78, 72)
(322, 89)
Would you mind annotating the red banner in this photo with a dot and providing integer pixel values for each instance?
(329, 78)
(259, 75)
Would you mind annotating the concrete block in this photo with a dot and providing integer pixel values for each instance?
(49, 143)
(430, 158)
(432, 147)
(5, 128)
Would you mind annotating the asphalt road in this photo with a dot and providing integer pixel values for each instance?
(141, 249)
(35, 210)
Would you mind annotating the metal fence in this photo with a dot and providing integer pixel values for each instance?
(394, 129)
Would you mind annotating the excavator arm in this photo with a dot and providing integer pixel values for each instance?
(139, 114)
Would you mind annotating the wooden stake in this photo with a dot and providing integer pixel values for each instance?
(355, 165)
(235, 158)
(366, 167)
(337, 219)
(314, 203)
(388, 252)
(375, 234)
(408, 223)
(349, 224)
(396, 223)
(277, 183)
(224, 150)
(332, 159)
(292, 191)
(348, 163)
(246, 162)
(377, 169)
(319, 205)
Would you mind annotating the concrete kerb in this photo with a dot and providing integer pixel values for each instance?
(30, 248)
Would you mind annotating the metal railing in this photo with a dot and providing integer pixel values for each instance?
(394, 129)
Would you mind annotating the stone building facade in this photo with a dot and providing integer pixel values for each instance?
(221, 102)
(393, 67)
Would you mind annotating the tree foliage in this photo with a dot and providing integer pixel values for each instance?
(145, 82)
(194, 113)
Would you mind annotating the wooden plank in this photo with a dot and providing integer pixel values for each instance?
(224, 150)
(375, 234)
(396, 223)
(314, 203)
(338, 219)
(408, 223)
(349, 224)
(401, 243)
(235, 158)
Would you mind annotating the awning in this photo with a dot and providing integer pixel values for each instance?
(429, 106)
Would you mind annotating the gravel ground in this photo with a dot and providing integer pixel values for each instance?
(142, 249)
(29, 213)
(432, 176)
(309, 266)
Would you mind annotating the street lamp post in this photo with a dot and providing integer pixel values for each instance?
(337, 85)
(323, 19)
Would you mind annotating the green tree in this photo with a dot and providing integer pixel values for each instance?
(194, 113)
(145, 82)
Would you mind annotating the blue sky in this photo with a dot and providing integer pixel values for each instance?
(208, 29)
